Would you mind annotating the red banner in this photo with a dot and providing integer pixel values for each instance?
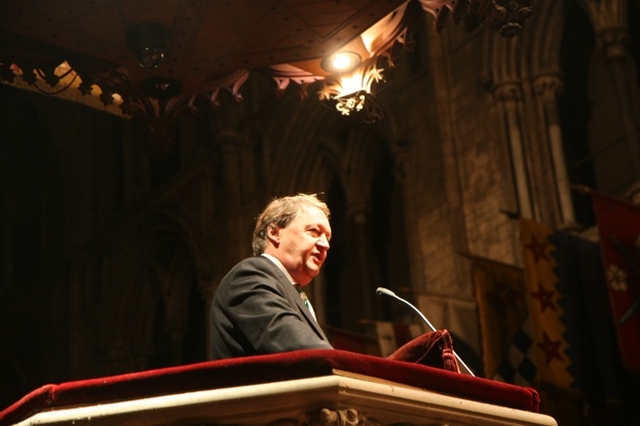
(619, 228)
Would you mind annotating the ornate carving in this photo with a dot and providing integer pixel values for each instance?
(159, 132)
(613, 43)
(362, 106)
(346, 417)
(548, 86)
(509, 93)
(340, 417)
(507, 17)
(442, 9)
(352, 94)
(159, 136)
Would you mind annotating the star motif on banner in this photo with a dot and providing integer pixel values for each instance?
(544, 297)
(504, 298)
(551, 348)
(539, 249)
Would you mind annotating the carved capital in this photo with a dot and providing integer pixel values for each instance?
(509, 93)
(360, 211)
(613, 43)
(548, 86)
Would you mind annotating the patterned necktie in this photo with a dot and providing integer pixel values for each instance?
(306, 301)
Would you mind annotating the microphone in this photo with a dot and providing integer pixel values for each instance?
(381, 291)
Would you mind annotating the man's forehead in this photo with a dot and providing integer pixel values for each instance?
(313, 211)
(310, 215)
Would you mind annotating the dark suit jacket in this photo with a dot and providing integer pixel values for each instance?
(256, 310)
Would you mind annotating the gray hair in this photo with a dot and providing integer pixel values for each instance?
(280, 212)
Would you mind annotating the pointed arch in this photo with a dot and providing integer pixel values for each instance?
(148, 324)
(542, 39)
(535, 51)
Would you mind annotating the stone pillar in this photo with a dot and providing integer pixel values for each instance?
(88, 277)
(77, 319)
(358, 214)
(547, 87)
(510, 95)
(612, 41)
(610, 21)
(233, 189)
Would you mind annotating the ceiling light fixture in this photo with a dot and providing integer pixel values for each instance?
(341, 62)
(351, 93)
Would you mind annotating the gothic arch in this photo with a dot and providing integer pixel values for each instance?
(299, 155)
(320, 149)
(542, 40)
(524, 75)
(150, 311)
(31, 236)
(536, 51)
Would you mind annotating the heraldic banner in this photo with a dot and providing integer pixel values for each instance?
(501, 295)
(619, 228)
(546, 313)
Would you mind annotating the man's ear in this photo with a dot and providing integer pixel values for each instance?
(273, 234)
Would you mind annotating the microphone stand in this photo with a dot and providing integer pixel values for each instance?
(381, 291)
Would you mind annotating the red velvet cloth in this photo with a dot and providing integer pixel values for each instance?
(434, 349)
(265, 369)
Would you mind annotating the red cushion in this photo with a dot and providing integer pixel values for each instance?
(434, 349)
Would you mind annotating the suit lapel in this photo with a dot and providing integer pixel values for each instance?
(294, 297)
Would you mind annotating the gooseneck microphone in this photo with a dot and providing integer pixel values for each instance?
(381, 291)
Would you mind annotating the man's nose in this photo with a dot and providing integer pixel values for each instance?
(324, 242)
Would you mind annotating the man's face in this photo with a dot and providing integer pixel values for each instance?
(302, 246)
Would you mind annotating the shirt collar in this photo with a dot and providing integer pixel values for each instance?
(281, 267)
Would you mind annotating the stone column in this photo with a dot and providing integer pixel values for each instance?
(610, 21)
(612, 42)
(77, 319)
(547, 87)
(358, 214)
(233, 186)
(510, 95)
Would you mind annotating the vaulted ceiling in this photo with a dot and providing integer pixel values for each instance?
(209, 41)
(85, 50)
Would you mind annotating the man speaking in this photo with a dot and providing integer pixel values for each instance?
(260, 306)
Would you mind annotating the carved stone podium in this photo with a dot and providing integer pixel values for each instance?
(316, 387)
